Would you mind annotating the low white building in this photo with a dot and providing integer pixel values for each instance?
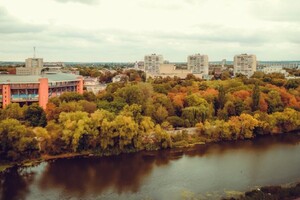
(120, 78)
(170, 70)
(92, 85)
(275, 69)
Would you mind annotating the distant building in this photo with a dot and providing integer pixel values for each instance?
(120, 78)
(169, 70)
(33, 66)
(244, 64)
(198, 63)
(223, 63)
(275, 69)
(152, 63)
(93, 85)
(284, 64)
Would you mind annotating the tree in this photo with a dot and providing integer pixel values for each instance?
(195, 114)
(135, 94)
(134, 111)
(126, 130)
(42, 137)
(292, 84)
(160, 114)
(16, 141)
(221, 98)
(274, 102)
(255, 98)
(70, 96)
(35, 116)
(76, 125)
(243, 126)
(195, 100)
(225, 75)
(102, 122)
(14, 111)
(176, 121)
(286, 121)
(87, 106)
(89, 96)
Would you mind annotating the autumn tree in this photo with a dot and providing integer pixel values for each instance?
(255, 98)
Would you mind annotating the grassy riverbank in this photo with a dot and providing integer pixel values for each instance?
(271, 193)
(180, 140)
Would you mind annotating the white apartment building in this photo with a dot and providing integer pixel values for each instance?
(152, 63)
(244, 64)
(198, 63)
(33, 66)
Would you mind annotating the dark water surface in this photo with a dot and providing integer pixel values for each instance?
(203, 171)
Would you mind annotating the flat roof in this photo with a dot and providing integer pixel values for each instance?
(58, 77)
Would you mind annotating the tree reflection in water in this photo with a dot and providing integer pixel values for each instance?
(123, 173)
(15, 183)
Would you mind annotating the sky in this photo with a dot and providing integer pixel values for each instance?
(125, 31)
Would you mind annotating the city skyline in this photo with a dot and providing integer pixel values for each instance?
(118, 31)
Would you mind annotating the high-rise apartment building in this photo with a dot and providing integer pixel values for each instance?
(152, 63)
(244, 64)
(198, 63)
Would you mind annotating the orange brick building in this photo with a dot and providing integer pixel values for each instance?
(37, 88)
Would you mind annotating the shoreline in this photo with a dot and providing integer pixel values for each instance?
(47, 157)
(288, 191)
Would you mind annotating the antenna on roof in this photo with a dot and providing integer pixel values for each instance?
(33, 52)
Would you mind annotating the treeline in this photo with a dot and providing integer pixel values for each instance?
(136, 115)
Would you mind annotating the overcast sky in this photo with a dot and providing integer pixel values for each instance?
(119, 30)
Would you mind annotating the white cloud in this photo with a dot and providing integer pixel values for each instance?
(90, 2)
(116, 30)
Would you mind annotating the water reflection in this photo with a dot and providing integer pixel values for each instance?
(15, 184)
(128, 173)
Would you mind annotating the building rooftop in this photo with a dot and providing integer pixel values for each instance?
(58, 77)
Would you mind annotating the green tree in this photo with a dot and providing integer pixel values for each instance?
(195, 114)
(16, 141)
(70, 96)
(255, 98)
(76, 125)
(35, 116)
(89, 96)
(274, 102)
(221, 98)
(14, 111)
(160, 114)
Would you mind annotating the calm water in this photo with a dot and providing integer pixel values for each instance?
(203, 171)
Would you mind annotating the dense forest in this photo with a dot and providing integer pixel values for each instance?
(138, 115)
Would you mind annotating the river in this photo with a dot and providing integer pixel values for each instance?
(205, 171)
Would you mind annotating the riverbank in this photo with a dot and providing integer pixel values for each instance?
(181, 144)
(205, 171)
(271, 193)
